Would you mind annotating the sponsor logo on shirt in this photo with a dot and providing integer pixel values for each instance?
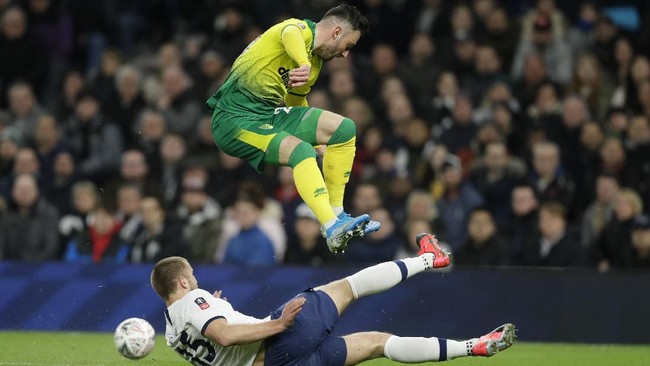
(202, 303)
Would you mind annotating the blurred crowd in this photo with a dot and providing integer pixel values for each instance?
(516, 131)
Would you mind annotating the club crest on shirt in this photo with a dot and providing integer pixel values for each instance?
(301, 25)
(202, 303)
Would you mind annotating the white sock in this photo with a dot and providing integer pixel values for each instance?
(329, 223)
(420, 349)
(338, 210)
(383, 276)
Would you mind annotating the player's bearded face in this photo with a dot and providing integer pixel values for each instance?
(340, 45)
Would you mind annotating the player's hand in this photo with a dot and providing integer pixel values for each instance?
(290, 311)
(299, 76)
(217, 294)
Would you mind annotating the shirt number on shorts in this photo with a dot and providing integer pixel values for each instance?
(282, 109)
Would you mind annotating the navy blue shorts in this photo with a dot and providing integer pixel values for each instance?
(308, 341)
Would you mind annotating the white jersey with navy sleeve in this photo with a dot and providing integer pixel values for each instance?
(187, 319)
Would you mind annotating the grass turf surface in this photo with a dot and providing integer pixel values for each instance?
(36, 348)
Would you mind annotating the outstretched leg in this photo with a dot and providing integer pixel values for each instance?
(383, 276)
(368, 345)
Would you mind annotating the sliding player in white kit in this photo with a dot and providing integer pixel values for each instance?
(205, 330)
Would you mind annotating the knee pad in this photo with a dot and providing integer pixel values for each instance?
(301, 152)
(346, 131)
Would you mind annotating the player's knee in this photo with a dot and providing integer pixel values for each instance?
(301, 152)
(344, 133)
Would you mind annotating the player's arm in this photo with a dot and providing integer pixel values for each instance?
(294, 44)
(230, 334)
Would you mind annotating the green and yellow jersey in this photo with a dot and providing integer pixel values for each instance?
(259, 79)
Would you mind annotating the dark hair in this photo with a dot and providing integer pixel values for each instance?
(351, 15)
(554, 208)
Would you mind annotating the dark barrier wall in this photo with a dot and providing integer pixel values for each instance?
(545, 305)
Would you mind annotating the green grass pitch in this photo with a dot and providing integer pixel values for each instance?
(36, 348)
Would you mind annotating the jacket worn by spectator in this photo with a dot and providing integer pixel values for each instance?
(32, 237)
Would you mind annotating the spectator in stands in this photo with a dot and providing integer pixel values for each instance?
(21, 55)
(459, 199)
(483, 247)
(308, 246)
(555, 246)
(150, 127)
(24, 108)
(134, 170)
(553, 49)
(287, 196)
(420, 205)
(548, 177)
(487, 71)
(606, 33)
(200, 215)
(613, 247)
(25, 162)
(379, 247)
(525, 210)
(599, 213)
(460, 129)
(399, 111)
(617, 121)
(442, 104)
(181, 112)
(565, 131)
(590, 82)
(227, 177)
(502, 34)
(48, 144)
(623, 55)
(419, 70)
(99, 242)
(129, 198)
(581, 36)
(91, 26)
(64, 176)
(103, 80)
(201, 146)
(342, 86)
(173, 151)
(125, 105)
(97, 142)
(366, 198)
(52, 26)
(641, 243)
(85, 200)
(359, 110)
(591, 138)
(548, 9)
(461, 30)
(638, 156)
(639, 72)
(211, 76)
(384, 64)
(10, 141)
(27, 228)
(533, 76)
(158, 236)
(62, 107)
(410, 230)
(250, 246)
(546, 108)
(494, 176)
(613, 160)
